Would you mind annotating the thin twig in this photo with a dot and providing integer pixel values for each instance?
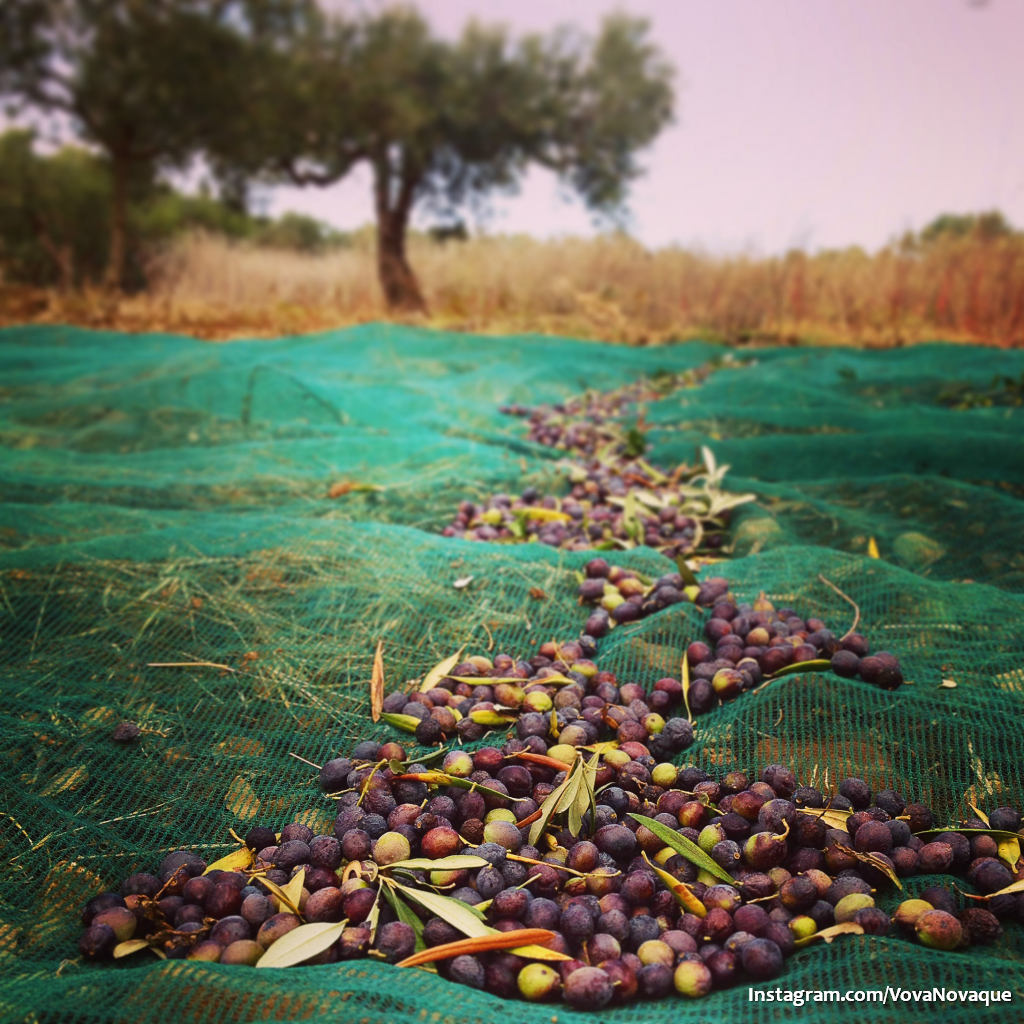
(845, 597)
(318, 767)
(490, 636)
(189, 664)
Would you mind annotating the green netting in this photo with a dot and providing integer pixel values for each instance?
(165, 500)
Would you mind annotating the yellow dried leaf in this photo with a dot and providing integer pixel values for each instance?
(1009, 851)
(684, 895)
(832, 817)
(236, 860)
(828, 934)
(603, 747)
(440, 670)
(544, 515)
(69, 779)
(982, 816)
(491, 718)
(302, 944)
(343, 487)
(377, 683)
(241, 799)
(129, 946)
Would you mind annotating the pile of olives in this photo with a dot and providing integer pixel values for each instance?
(632, 911)
(615, 499)
(596, 513)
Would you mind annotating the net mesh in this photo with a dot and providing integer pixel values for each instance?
(166, 501)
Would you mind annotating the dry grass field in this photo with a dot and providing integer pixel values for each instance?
(610, 288)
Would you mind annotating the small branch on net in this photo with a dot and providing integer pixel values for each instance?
(845, 597)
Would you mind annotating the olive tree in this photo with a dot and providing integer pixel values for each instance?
(442, 124)
(147, 82)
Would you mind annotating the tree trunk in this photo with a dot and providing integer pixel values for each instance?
(397, 279)
(114, 276)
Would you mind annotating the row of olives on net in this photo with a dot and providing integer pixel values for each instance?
(743, 641)
(624, 933)
(559, 696)
(591, 427)
(593, 514)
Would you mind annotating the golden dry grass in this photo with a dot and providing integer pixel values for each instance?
(607, 288)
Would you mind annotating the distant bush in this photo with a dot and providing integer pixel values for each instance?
(168, 213)
(299, 232)
(53, 213)
(55, 218)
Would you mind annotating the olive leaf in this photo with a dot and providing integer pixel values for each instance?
(130, 946)
(684, 847)
(554, 679)
(995, 833)
(544, 515)
(575, 795)
(457, 862)
(1009, 851)
(584, 799)
(720, 502)
(435, 778)
(377, 683)
(686, 572)
(982, 816)
(685, 673)
(288, 895)
(656, 475)
(487, 680)
(602, 747)
(520, 937)
(373, 917)
(236, 860)
(710, 467)
(684, 895)
(1014, 887)
(814, 665)
(407, 723)
(440, 671)
(631, 519)
(873, 860)
(406, 914)
(491, 718)
(828, 934)
(645, 497)
(831, 816)
(302, 944)
(467, 919)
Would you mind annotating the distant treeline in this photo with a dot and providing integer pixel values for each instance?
(55, 218)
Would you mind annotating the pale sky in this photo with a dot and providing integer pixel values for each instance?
(811, 123)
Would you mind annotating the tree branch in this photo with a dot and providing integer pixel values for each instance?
(411, 179)
(300, 177)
